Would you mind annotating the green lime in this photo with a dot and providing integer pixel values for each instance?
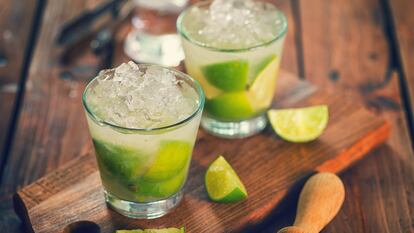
(151, 190)
(230, 106)
(222, 182)
(263, 87)
(228, 76)
(164, 230)
(130, 231)
(171, 158)
(261, 65)
(194, 71)
(120, 161)
(116, 186)
(299, 124)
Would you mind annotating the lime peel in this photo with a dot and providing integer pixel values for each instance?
(227, 76)
(223, 184)
(163, 230)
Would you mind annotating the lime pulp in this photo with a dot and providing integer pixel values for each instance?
(222, 182)
(299, 124)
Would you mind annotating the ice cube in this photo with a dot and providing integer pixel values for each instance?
(234, 23)
(131, 97)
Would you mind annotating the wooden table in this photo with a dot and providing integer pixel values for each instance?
(364, 47)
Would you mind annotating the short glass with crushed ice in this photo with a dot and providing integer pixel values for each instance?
(143, 120)
(233, 48)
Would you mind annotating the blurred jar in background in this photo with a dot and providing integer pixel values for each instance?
(153, 38)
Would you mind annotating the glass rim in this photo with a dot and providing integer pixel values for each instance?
(196, 111)
(184, 34)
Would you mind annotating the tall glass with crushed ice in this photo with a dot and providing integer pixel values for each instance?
(143, 120)
(233, 48)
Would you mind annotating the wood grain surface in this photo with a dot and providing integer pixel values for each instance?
(16, 19)
(403, 40)
(352, 51)
(270, 168)
(16, 22)
(50, 122)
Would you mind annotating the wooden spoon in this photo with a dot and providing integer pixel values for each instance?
(319, 202)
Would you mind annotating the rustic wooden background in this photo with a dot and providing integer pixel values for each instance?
(363, 47)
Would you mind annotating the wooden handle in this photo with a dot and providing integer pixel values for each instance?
(319, 202)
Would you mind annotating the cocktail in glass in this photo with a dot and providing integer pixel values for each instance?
(143, 127)
(233, 48)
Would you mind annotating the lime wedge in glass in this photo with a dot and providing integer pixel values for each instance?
(262, 89)
(209, 90)
(164, 230)
(120, 161)
(230, 106)
(171, 158)
(299, 124)
(222, 183)
(152, 190)
(228, 76)
(262, 64)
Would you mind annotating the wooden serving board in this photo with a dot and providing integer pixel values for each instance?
(271, 169)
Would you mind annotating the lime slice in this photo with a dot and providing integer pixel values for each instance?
(300, 124)
(194, 71)
(263, 87)
(222, 182)
(230, 106)
(228, 76)
(164, 230)
(117, 186)
(120, 161)
(261, 65)
(171, 158)
(151, 190)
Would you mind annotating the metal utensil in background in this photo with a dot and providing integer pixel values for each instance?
(97, 37)
(82, 26)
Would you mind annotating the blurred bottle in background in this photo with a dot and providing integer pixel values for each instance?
(153, 38)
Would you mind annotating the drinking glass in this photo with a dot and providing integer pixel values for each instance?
(239, 84)
(143, 170)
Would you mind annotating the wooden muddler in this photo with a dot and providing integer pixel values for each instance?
(319, 202)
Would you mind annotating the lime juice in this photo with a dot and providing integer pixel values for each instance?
(233, 48)
(143, 120)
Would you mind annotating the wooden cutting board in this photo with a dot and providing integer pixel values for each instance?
(271, 169)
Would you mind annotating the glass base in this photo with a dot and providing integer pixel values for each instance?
(163, 50)
(148, 210)
(239, 129)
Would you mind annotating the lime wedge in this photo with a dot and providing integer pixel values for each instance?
(230, 106)
(300, 124)
(261, 65)
(119, 161)
(151, 190)
(171, 158)
(164, 230)
(262, 89)
(222, 182)
(228, 76)
(209, 90)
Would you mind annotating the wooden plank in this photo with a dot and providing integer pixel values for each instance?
(77, 186)
(403, 23)
(16, 23)
(344, 45)
(16, 19)
(49, 129)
